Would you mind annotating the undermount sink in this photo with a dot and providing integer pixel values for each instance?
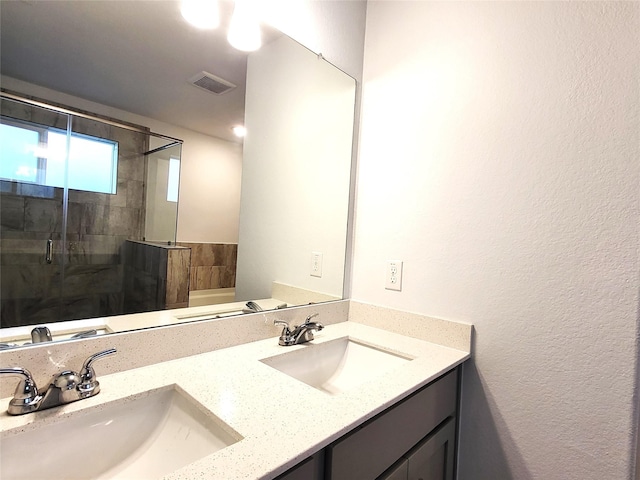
(337, 365)
(146, 436)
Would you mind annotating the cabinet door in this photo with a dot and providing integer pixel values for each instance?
(397, 472)
(432, 459)
(374, 447)
(310, 469)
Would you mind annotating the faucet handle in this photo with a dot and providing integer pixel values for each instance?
(26, 397)
(286, 330)
(308, 319)
(88, 385)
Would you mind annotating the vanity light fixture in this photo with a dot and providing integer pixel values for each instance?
(244, 28)
(201, 13)
(239, 131)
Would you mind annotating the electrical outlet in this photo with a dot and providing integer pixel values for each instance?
(316, 264)
(394, 275)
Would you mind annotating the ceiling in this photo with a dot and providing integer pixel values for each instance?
(136, 55)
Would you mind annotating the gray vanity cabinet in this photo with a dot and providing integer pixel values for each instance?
(399, 471)
(369, 450)
(431, 459)
(411, 440)
(311, 468)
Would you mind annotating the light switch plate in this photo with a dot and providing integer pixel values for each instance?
(394, 275)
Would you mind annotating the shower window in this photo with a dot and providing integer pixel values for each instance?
(32, 153)
(18, 150)
(173, 180)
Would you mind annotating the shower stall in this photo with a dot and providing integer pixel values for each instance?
(74, 189)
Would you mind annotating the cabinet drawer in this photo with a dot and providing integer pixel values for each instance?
(372, 448)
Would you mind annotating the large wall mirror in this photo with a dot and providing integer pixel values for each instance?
(261, 221)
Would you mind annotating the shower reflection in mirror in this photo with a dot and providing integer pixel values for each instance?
(75, 190)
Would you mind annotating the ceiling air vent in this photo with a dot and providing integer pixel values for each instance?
(211, 83)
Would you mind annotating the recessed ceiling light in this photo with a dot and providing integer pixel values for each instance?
(239, 131)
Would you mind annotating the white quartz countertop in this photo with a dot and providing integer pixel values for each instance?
(280, 420)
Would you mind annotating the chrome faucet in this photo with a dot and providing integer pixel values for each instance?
(85, 334)
(300, 334)
(65, 387)
(252, 307)
(41, 334)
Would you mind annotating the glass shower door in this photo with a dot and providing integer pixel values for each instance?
(33, 154)
(105, 210)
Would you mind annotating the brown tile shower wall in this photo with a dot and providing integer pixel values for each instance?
(213, 265)
(32, 291)
(29, 287)
(156, 276)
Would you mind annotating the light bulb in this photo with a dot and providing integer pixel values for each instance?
(239, 131)
(244, 29)
(201, 13)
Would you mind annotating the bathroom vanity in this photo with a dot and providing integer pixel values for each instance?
(412, 440)
(356, 402)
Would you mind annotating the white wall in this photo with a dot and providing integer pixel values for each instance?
(334, 28)
(299, 113)
(209, 198)
(499, 158)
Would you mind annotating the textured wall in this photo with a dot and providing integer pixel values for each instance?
(499, 158)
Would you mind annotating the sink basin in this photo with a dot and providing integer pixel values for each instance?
(146, 436)
(338, 365)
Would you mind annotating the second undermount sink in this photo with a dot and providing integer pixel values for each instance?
(337, 365)
(142, 437)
